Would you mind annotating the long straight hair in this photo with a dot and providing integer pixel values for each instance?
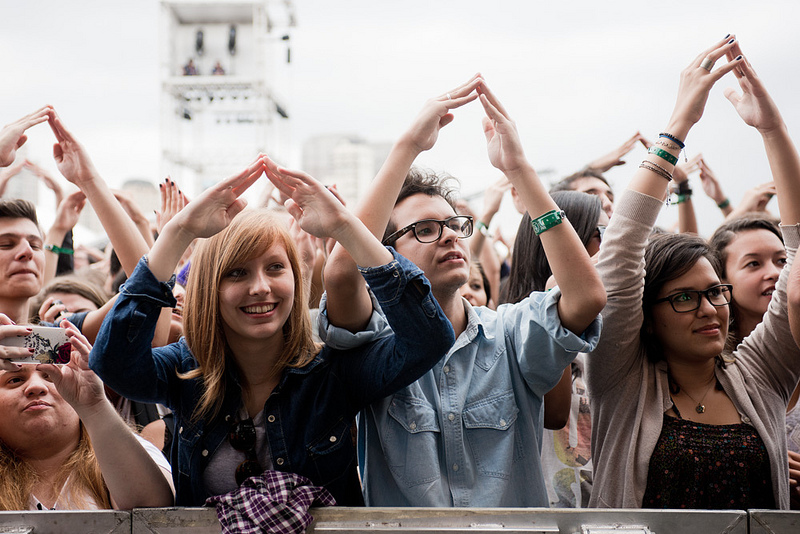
(250, 235)
(529, 266)
(81, 470)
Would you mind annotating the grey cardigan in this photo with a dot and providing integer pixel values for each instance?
(629, 395)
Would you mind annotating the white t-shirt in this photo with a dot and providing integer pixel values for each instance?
(66, 499)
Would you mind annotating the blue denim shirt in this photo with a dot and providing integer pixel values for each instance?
(309, 415)
(468, 433)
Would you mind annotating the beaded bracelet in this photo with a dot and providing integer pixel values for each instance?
(663, 154)
(724, 204)
(673, 138)
(652, 167)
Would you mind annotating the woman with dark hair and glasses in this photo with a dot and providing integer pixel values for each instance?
(249, 388)
(677, 421)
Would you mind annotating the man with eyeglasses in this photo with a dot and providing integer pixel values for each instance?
(468, 432)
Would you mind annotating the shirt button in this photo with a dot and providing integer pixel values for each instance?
(333, 439)
(180, 430)
(746, 420)
(451, 416)
(412, 426)
(446, 369)
(271, 418)
(502, 422)
(396, 274)
(205, 452)
(279, 461)
(455, 467)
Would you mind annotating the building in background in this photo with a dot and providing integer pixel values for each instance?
(224, 78)
(348, 161)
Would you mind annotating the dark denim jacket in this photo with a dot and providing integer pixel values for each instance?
(309, 414)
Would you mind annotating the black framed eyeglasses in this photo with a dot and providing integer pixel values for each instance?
(689, 300)
(242, 437)
(430, 230)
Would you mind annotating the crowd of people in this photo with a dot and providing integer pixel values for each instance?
(387, 355)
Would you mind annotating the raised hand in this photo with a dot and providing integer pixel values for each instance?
(72, 160)
(70, 210)
(710, 184)
(214, 209)
(505, 148)
(315, 208)
(75, 382)
(10, 329)
(172, 201)
(437, 113)
(757, 198)
(754, 105)
(48, 180)
(614, 158)
(12, 136)
(696, 82)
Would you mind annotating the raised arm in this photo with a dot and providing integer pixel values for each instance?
(757, 109)
(582, 292)
(12, 136)
(67, 214)
(321, 214)
(133, 478)
(712, 187)
(614, 158)
(204, 216)
(349, 305)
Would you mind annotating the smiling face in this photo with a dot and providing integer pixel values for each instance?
(446, 261)
(32, 412)
(256, 298)
(754, 261)
(694, 336)
(21, 258)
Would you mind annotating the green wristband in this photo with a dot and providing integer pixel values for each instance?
(59, 250)
(548, 220)
(663, 154)
(724, 204)
(682, 198)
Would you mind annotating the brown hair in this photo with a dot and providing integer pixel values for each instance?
(81, 469)
(72, 285)
(18, 208)
(719, 242)
(249, 235)
(667, 257)
(419, 181)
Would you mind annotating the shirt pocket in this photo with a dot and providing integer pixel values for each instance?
(332, 454)
(492, 434)
(411, 441)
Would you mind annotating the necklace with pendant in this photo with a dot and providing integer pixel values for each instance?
(701, 408)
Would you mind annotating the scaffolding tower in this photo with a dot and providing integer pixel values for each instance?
(224, 77)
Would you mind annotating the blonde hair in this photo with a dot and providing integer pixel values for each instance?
(81, 471)
(250, 234)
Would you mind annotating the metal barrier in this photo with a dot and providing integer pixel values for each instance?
(418, 520)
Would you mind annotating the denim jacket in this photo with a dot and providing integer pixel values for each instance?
(309, 415)
(469, 431)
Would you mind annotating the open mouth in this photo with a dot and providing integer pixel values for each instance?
(452, 256)
(261, 308)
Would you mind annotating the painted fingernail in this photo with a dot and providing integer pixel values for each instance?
(731, 41)
(738, 57)
(30, 350)
(727, 36)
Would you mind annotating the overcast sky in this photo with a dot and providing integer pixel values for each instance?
(578, 77)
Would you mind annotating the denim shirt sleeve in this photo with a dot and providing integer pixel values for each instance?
(420, 336)
(545, 347)
(122, 355)
(341, 338)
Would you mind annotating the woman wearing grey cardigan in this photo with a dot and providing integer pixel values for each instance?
(676, 422)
